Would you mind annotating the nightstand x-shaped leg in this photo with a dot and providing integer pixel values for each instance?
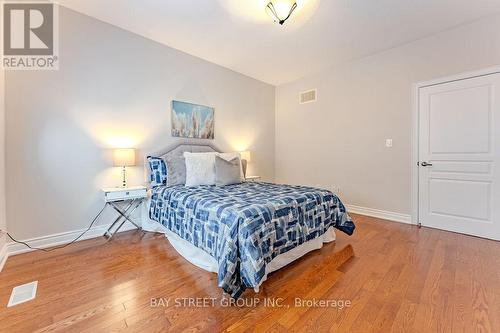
(124, 214)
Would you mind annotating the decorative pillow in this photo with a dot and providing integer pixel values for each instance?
(158, 170)
(227, 172)
(231, 156)
(200, 168)
(176, 170)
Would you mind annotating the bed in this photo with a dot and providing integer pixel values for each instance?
(245, 231)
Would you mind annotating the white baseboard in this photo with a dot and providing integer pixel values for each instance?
(3, 256)
(381, 214)
(13, 248)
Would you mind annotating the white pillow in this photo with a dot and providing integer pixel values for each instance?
(200, 168)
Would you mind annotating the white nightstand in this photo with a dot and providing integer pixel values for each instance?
(252, 178)
(133, 196)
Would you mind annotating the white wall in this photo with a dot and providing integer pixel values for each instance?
(340, 140)
(3, 216)
(113, 88)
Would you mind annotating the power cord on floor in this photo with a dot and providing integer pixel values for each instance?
(60, 246)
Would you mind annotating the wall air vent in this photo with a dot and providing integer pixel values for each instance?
(307, 96)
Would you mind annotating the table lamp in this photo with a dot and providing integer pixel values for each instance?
(124, 157)
(245, 155)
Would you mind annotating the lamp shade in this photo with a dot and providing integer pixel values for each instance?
(124, 157)
(245, 155)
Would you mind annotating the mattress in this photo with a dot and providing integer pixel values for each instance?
(245, 226)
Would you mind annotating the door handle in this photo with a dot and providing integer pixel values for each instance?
(425, 164)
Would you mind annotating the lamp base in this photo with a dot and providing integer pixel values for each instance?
(124, 182)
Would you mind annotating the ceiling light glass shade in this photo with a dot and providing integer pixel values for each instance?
(281, 10)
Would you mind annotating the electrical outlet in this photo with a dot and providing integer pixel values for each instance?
(388, 143)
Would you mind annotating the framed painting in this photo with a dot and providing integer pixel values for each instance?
(192, 120)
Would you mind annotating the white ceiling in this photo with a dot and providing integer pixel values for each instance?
(237, 34)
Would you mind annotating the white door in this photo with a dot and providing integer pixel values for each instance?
(459, 154)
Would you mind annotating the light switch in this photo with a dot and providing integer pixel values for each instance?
(388, 143)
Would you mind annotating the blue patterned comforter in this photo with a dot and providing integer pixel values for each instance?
(245, 226)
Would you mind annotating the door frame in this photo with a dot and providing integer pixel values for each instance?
(415, 136)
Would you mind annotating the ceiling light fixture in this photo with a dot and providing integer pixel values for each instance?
(281, 10)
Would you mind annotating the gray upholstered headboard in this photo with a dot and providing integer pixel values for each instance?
(179, 150)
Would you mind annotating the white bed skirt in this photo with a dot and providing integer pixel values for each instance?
(205, 261)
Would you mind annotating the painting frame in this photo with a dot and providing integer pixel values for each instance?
(192, 121)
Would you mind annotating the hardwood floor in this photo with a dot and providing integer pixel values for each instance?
(397, 278)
